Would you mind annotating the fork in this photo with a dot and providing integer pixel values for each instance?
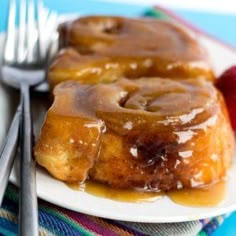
(24, 64)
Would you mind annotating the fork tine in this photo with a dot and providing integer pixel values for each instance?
(9, 52)
(46, 24)
(51, 24)
(31, 32)
(42, 14)
(22, 32)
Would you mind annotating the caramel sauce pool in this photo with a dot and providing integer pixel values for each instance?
(208, 196)
(121, 195)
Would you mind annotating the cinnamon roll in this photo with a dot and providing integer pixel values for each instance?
(152, 134)
(104, 49)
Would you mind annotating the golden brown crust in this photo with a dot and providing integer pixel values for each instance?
(150, 133)
(155, 134)
(104, 49)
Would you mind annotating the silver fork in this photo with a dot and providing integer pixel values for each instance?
(24, 65)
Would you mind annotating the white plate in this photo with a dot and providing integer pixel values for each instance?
(163, 210)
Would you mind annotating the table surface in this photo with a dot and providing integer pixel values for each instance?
(220, 25)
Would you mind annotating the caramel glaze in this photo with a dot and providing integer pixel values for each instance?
(155, 134)
(104, 49)
(207, 196)
(122, 195)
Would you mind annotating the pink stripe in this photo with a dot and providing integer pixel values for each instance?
(192, 27)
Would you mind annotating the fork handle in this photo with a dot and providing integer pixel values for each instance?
(9, 150)
(28, 198)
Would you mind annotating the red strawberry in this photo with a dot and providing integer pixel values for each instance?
(227, 81)
(231, 105)
(227, 84)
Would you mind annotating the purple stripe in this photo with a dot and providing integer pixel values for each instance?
(204, 222)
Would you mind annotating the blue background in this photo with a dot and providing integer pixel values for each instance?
(221, 26)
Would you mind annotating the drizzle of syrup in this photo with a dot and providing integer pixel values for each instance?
(208, 196)
(121, 195)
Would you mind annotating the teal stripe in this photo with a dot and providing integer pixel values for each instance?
(202, 233)
(156, 14)
(11, 193)
(70, 222)
(8, 227)
(6, 232)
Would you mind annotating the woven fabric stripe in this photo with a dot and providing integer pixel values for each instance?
(174, 229)
(74, 218)
(104, 225)
(58, 226)
(92, 225)
(7, 225)
(116, 229)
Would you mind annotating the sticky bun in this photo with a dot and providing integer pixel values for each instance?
(104, 49)
(151, 134)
